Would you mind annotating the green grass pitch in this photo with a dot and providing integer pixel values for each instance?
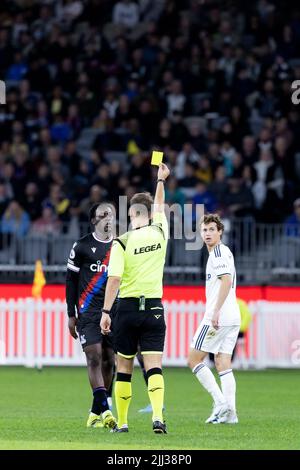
(48, 410)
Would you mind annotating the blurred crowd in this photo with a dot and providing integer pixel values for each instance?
(93, 86)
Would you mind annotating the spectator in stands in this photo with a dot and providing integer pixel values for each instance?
(179, 132)
(61, 131)
(47, 224)
(188, 183)
(238, 200)
(102, 177)
(4, 198)
(228, 152)
(15, 221)
(218, 186)
(8, 178)
(284, 157)
(71, 157)
(237, 166)
(115, 170)
(82, 179)
(126, 14)
(197, 138)
(151, 10)
(188, 155)
(59, 202)
(96, 196)
(123, 112)
(173, 194)
(54, 160)
(43, 141)
(111, 104)
(139, 172)
(292, 223)
(68, 10)
(175, 100)
(268, 186)
(203, 196)
(203, 170)
(43, 180)
(164, 140)
(18, 70)
(268, 102)
(32, 201)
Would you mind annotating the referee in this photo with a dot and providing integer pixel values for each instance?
(136, 269)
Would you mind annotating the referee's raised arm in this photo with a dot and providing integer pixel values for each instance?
(159, 199)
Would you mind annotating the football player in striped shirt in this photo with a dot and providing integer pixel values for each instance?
(85, 290)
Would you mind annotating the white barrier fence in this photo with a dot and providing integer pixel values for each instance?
(35, 333)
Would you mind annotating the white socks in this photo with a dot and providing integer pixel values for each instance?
(228, 387)
(208, 381)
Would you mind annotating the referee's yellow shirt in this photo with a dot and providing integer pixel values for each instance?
(138, 258)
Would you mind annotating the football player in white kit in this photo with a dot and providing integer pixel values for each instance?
(220, 326)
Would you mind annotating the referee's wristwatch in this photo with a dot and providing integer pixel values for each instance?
(161, 179)
(105, 311)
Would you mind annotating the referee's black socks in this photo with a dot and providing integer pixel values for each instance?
(156, 389)
(123, 395)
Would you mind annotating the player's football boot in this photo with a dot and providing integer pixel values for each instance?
(123, 428)
(231, 418)
(94, 421)
(219, 412)
(159, 427)
(109, 421)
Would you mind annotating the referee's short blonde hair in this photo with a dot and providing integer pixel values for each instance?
(143, 199)
(209, 218)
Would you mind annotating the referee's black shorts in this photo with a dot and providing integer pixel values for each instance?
(133, 327)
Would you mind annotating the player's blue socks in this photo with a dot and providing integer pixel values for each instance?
(100, 401)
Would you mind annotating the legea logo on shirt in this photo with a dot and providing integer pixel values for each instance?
(208, 277)
(98, 268)
(145, 249)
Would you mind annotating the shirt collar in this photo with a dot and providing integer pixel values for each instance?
(102, 241)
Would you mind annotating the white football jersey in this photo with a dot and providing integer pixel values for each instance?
(221, 261)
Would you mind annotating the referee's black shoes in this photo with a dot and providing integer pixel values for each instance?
(159, 427)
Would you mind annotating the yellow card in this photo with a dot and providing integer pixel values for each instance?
(157, 158)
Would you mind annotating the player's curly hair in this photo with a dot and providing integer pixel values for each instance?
(209, 218)
(94, 207)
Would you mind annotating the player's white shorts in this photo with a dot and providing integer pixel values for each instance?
(214, 341)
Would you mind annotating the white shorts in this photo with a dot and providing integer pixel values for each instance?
(214, 341)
